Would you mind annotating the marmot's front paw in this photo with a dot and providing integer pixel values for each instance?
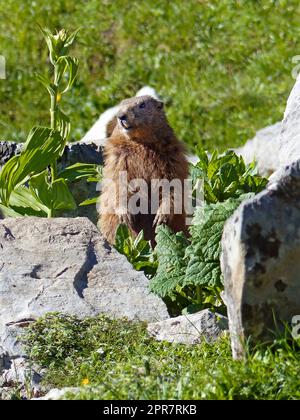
(124, 219)
(160, 219)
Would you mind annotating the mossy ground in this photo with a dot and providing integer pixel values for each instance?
(118, 360)
(223, 67)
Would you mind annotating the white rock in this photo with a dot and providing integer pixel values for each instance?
(190, 329)
(263, 149)
(289, 147)
(261, 262)
(64, 265)
(21, 372)
(276, 146)
(58, 394)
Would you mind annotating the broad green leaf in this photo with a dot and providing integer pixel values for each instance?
(6, 179)
(192, 309)
(226, 176)
(24, 202)
(138, 251)
(9, 212)
(80, 171)
(62, 199)
(122, 235)
(139, 238)
(56, 196)
(203, 254)
(42, 147)
(140, 244)
(203, 158)
(209, 193)
(40, 186)
(172, 264)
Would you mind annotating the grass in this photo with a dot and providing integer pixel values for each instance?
(118, 360)
(223, 67)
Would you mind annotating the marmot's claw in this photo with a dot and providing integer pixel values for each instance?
(160, 219)
(124, 219)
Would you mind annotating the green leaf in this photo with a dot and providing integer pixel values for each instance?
(24, 201)
(203, 158)
(226, 176)
(89, 201)
(55, 196)
(138, 251)
(184, 264)
(46, 83)
(144, 265)
(9, 212)
(42, 147)
(62, 199)
(49, 38)
(71, 38)
(41, 188)
(122, 235)
(6, 179)
(203, 254)
(63, 124)
(70, 65)
(170, 250)
(80, 171)
(141, 246)
(192, 309)
(58, 44)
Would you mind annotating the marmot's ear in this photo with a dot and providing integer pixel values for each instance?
(159, 104)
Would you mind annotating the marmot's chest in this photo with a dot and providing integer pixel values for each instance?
(146, 163)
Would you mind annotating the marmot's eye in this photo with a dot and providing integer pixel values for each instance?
(142, 105)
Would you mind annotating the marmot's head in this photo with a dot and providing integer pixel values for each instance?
(140, 113)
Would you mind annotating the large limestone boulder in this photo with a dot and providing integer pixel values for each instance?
(261, 261)
(263, 149)
(289, 146)
(64, 265)
(278, 145)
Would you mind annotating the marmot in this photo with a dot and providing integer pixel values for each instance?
(143, 145)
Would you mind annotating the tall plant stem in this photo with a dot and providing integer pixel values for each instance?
(53, 111)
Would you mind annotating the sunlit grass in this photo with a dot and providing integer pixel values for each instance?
(223, 67)
(118, 360)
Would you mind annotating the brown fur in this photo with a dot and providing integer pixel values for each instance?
(111, 126)
(147, 150)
